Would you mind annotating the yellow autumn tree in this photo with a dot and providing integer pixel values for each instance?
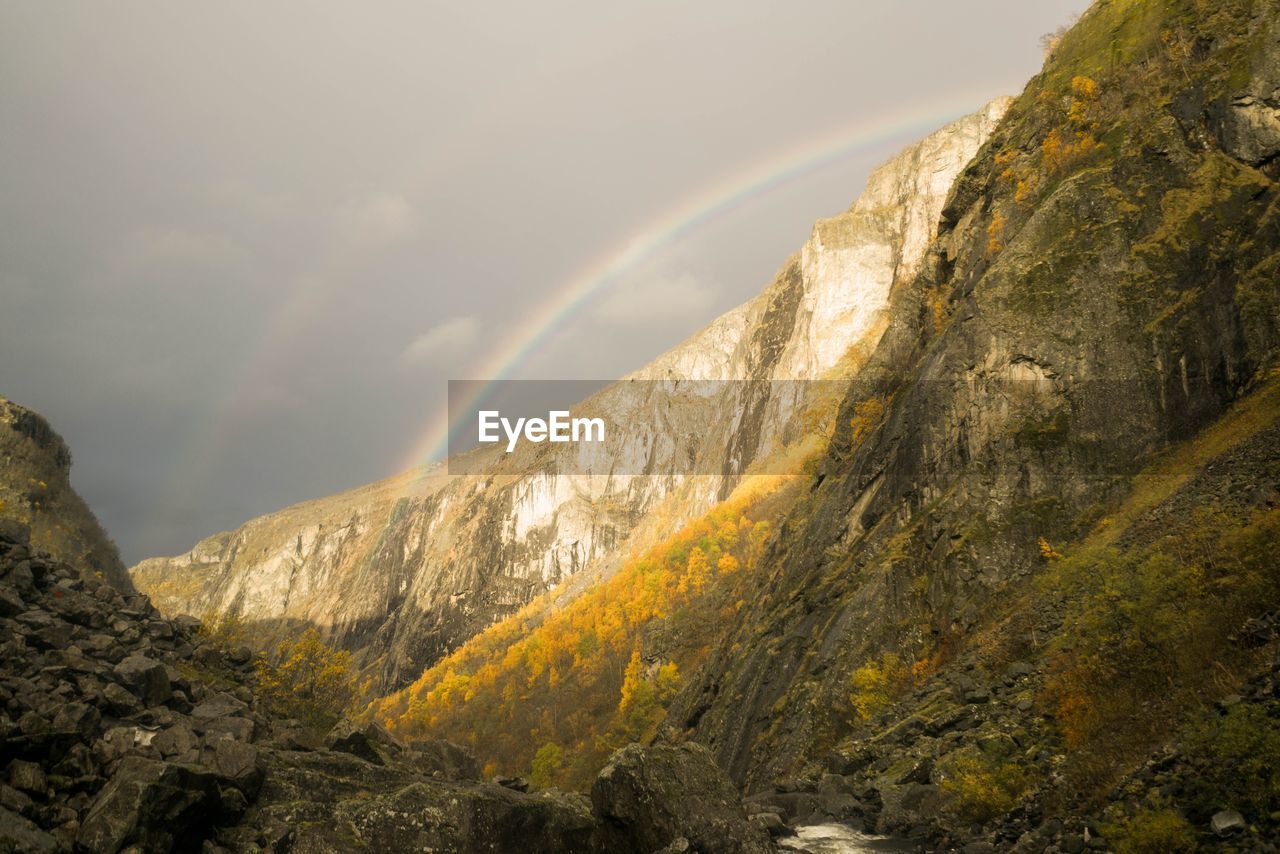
(878, 684)
(727, 564)
(307, 679)
(633, 683)
(697, 571)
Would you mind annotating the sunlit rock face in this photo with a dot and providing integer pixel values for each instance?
(405, 569)
(36, 493)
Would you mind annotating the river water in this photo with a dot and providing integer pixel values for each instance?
(840, 839)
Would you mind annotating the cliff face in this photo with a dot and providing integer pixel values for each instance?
(405, 569)
(1104, 283)
(35, 490)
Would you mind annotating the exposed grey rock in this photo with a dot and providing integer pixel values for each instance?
(19, 836)
(438, 757)
(146, 678)
(27, 777)
(368, 741)
(152, 804)
(1227, 823)
(648, 797)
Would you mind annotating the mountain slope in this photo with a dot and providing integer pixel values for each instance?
(405, 569)
(35, 490)
(1104, 283)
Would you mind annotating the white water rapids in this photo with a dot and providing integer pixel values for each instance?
(840, 839)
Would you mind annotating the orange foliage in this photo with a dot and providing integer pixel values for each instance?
(995, 233)
(866, 417)
(574, 674)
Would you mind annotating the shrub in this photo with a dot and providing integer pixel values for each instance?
(307, 680)
(995, 233)
(980, 790)
(224, 631)
(1237, 756)
(1159, 830)
(878, 685)
(867, 415)
(546, 765)
(1147, 630)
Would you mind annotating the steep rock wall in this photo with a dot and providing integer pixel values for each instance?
(1077, 312)
(405, 569)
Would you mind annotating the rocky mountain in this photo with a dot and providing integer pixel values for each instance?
(35, 490)
(124, 731)
(406, 569)
(1028, 599)
(1025, 598)
(988, 610)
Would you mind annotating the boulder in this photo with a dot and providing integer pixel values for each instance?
(368, 741)
(646, 798)
(177, 742)
(154, 805)
(11, 603)
(13, 531)
(837, 797)
(515, 784)
(1227, 823)
(27, 777)
(440, 758)
(119, 700)
(186, 624)
(222, 713)
(146, 678)
(236, 763)
(771, 823)
(794, 807)
(441, 817)
(326, 801)
(79, 718)
(19, 835)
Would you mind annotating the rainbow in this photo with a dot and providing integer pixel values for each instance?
(674, 223)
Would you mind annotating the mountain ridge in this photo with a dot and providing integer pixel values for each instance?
(432, 574)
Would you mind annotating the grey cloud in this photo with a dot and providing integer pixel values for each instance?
(221, 224)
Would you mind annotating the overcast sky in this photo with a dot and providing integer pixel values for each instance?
(244, 245)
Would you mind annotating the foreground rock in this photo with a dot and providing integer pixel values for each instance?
(120, 730)
(325, 801)
(102, 740)
(672, 798)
